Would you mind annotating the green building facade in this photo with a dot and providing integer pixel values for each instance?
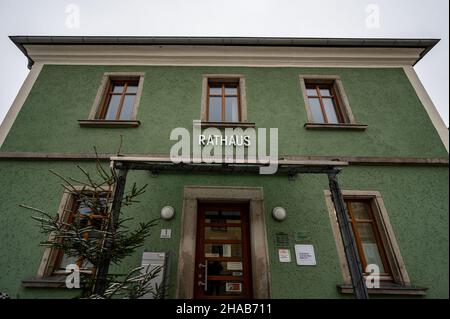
(384, 135)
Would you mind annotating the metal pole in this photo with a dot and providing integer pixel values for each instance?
(102, 270)
(348, 239)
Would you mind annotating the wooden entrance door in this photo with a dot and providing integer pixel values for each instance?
(222, 263)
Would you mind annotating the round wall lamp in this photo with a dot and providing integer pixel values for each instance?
(279, 213)
(167, 212)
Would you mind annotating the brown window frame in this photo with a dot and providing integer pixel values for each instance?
(337, 106)
(346, 120)
(223, 85)
(397, 267)
(50, 262)
(109, 93)
(69, 219)
(242, 103)
(100, 105)
(387, 276)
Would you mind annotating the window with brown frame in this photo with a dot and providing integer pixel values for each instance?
(324, 103)
(84, 213)
(119, 100)
(367, 235)
(327, 104)
(223, 102)
(375, 242)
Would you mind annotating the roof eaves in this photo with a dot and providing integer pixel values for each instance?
(21, 41)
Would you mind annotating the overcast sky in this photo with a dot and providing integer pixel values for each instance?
(258, 18)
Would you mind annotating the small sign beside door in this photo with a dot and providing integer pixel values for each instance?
(284, 255)
(166, 234)
(304, 255)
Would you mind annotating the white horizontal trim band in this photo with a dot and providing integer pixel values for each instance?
(222, 55)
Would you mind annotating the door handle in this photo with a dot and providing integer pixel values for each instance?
(201, 283)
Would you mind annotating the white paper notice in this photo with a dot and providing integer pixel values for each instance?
(284, 255)
(234, 265)
(305, 255)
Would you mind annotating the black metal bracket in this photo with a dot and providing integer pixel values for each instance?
(292, 176)
(348, 239)
(292, 171)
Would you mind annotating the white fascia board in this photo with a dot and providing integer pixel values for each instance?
(223, 55)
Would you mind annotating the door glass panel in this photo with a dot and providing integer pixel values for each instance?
(222, 233)
(223, 250)
(224, 288)
(316, 111)
(230, 217)
(225, 268)
(215, 109)
(369, 244)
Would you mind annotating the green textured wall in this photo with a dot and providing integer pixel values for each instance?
(381, 98)
(416, 197)
(416, 200)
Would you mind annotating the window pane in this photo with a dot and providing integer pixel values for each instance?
(231, 109)
(132, 88)
(118, 88)
(328, 103)
(223, 233)
(215, 109)
(311, 92)
(127, 108)
(231, 91)
(325, 92)
(84, 211)
(215, 90)
(112, 107)
(90, 212)
(316, 111)
(369, 244)
(67, 260)
(360, 210)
